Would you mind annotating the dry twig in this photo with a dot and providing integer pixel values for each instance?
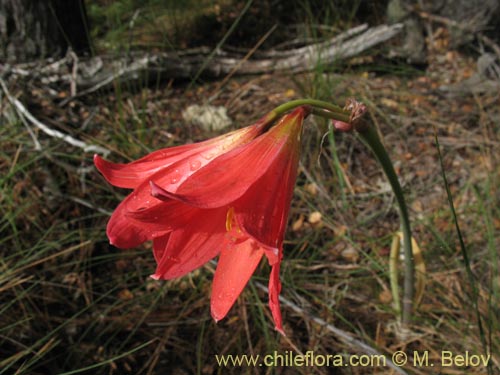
(25, 114)
(345, 337)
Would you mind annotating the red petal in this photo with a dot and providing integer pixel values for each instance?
(342, 126)
(181, 161)
(237, 263)
(164, 216)
(161, 193)
(126, 233)
(141, 216)
(230, 175)
(130, 175)
(191, 246)
(263, 210)
(274, 293)
(159, 246)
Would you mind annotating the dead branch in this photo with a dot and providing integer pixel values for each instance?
(462, 26)
(100, 72)
(346, 337)
(25, 114)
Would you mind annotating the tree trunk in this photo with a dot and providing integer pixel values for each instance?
(464, 19)
(31, 29)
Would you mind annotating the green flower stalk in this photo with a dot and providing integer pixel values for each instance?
(370, 137)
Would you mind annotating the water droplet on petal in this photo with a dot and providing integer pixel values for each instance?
(173, 259)
(208, 156)
(194, 165)
(175, 178)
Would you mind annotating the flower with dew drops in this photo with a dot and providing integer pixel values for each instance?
(229, 196)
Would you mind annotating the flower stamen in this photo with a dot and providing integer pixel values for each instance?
(229, 219)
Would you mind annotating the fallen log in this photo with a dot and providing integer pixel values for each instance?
(87, 76)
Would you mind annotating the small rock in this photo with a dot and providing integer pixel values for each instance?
(315, 217)
(385, 296)
(312, 189)
(349, 254)
(207, 117)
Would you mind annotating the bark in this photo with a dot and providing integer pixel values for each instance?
(465, 19)
(32, 29)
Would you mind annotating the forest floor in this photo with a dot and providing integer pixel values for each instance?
(72, 303)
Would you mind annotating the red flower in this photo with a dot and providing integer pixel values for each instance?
(229, 196)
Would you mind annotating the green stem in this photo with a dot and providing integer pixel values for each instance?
(338, 167)
(319, 107)
(369, 135)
